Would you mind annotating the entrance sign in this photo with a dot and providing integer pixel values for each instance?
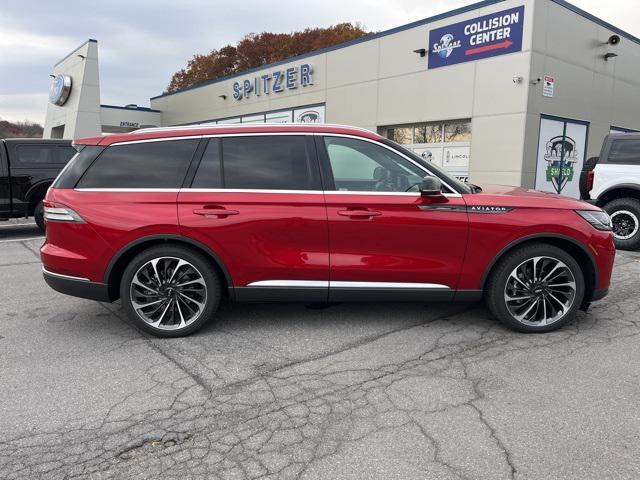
(481, 37)
(561, 152)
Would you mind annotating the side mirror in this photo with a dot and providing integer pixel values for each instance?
(431, 186)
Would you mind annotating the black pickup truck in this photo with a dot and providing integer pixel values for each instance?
(27, 168)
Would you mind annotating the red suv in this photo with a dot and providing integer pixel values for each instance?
(172, 220)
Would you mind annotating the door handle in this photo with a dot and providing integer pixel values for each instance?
(218, 212)
(359, 213)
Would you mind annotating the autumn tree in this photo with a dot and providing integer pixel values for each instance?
(24, 129)
(257, 49)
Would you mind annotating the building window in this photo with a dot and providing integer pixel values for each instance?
(457, 132)
(446, 143)
(437, 132)
(402, 135)
(428, 134)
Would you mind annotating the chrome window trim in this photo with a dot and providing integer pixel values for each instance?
(344, 284)
(68, 277)
(249, 190)
(130, 190)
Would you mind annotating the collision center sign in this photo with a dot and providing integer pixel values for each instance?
(481, 37)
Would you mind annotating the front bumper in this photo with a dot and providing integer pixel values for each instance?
(77, 287)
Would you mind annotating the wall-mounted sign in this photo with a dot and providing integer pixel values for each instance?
(60, 89)
(481, 37)
(130, 124)
(548, 86)
(561, 151)
(276, 82)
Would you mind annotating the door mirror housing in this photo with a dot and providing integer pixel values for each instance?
(431, 186)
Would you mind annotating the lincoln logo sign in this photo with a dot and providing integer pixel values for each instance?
(276, 81)
(482, 37)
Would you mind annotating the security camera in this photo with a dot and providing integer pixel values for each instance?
(517, 79)
(614, 40)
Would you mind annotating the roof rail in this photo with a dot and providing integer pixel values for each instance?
(241, 125)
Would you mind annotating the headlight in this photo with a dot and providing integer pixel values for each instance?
(597, 218)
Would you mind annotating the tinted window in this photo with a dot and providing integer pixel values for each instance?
(209, 174)
(274, 162)
(72, 172)
(141, 165)
(363, 166)
(44, 155)
(625, 151)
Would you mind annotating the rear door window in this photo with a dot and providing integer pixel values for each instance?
(160, 164)
(625, 151)
(273, 162)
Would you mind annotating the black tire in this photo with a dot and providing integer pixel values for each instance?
(210, 297)
(38, 216)
(497, 286)
(625, 216)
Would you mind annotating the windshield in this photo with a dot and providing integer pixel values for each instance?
(450, 180)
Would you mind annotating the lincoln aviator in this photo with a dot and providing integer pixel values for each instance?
(172, 221)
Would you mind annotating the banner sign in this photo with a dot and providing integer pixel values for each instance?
(561, 152)
(481, 37)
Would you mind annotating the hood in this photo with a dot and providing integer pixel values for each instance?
(509, 196)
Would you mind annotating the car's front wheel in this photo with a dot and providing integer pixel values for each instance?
(535, 288)
(170, 291)
(625, 219)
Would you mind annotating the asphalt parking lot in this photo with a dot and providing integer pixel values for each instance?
(347, 391)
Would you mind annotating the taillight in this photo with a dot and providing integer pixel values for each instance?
(56, 212)
(590, 175)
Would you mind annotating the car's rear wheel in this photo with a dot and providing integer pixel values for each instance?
(625, 218)
(535, 288)
(38, 215)
(170, 291)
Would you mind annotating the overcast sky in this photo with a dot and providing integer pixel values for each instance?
(141, 43)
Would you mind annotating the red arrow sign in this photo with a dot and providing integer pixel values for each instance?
(488, 48)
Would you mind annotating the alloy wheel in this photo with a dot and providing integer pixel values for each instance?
(540, 291)
(168, 293)
(625, 224)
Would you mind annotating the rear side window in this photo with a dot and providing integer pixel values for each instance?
(624, 151)
(141, 165)
(43, 155)
(72, 172)
(276, 162)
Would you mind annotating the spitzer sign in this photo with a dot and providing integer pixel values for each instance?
(481, 37)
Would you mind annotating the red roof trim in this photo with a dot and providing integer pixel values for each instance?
(225, 130)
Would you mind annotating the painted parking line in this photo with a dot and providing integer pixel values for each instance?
(15, 225)
(21, 239)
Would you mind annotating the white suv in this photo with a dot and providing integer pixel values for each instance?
(612, 181)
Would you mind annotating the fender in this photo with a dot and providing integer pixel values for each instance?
(535, 236)
(620, 186)
(37, 186)
(168, 237)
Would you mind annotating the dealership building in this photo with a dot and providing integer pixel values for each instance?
(501, 91)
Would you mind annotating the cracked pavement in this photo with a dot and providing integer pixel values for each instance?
(345, 391)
